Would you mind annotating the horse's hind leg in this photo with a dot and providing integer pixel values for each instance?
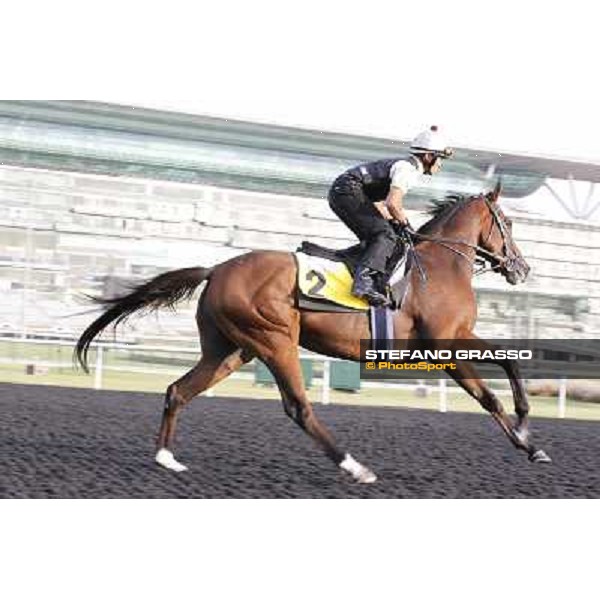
(274, 339)
(212, 368)
(284, 363)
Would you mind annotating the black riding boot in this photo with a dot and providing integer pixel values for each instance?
(374, 261)
(364, 286)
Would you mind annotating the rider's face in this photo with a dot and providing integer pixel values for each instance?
(436, 165)
(433, 164)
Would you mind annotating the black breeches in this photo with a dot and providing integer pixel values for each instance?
(350, 204)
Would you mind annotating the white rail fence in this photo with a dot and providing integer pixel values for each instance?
(99, 367)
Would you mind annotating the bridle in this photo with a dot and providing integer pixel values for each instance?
(497, 261)
(508, 258)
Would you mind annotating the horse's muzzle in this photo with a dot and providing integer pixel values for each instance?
(515, 270)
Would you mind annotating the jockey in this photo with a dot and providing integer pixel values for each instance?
(368, 199)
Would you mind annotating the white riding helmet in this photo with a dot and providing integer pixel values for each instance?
(431, 140)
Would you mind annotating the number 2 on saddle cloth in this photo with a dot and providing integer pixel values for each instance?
(319, 282)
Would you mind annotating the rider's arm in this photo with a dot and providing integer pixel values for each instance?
(403, 176)
(382, 208)
(393, 203)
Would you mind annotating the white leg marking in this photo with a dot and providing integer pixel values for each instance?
(539, 456)
(166, 459)
(522, 436)
(358, 471)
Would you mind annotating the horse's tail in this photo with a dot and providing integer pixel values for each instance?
(165, 290)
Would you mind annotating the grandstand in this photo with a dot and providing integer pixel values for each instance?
(94, 195)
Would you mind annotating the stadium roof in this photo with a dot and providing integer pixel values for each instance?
(156, 143)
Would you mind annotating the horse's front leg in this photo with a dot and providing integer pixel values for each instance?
(511, 368)
(467, 377)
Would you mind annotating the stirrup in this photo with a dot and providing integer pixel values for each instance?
(376, 299)
(371, 295)
(365, 287)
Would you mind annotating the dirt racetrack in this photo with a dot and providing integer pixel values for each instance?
(71, 443)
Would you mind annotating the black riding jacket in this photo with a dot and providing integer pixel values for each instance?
(374, 177)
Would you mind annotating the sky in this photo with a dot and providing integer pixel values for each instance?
(507, 77)
(519, 81)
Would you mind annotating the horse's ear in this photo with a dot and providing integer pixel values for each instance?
(495, 194)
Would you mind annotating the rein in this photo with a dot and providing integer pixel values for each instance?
(480, 252)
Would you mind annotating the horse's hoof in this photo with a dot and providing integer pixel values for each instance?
(360, 473)
(539, 456)
(367, 477)
(166, 459)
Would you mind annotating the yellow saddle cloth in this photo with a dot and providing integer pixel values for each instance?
(323, 279)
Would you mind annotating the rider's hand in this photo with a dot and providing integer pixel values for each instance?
(398, 227)
(401, 217)
(383, 211)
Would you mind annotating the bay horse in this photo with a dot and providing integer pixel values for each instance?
(248, 309)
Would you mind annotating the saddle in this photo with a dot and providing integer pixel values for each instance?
(394, 282)
(349, 256)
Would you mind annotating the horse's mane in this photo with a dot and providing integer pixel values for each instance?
(440, 209)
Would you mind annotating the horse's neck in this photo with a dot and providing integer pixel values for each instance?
(460, 226)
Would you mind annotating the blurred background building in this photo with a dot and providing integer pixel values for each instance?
(93, 196)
